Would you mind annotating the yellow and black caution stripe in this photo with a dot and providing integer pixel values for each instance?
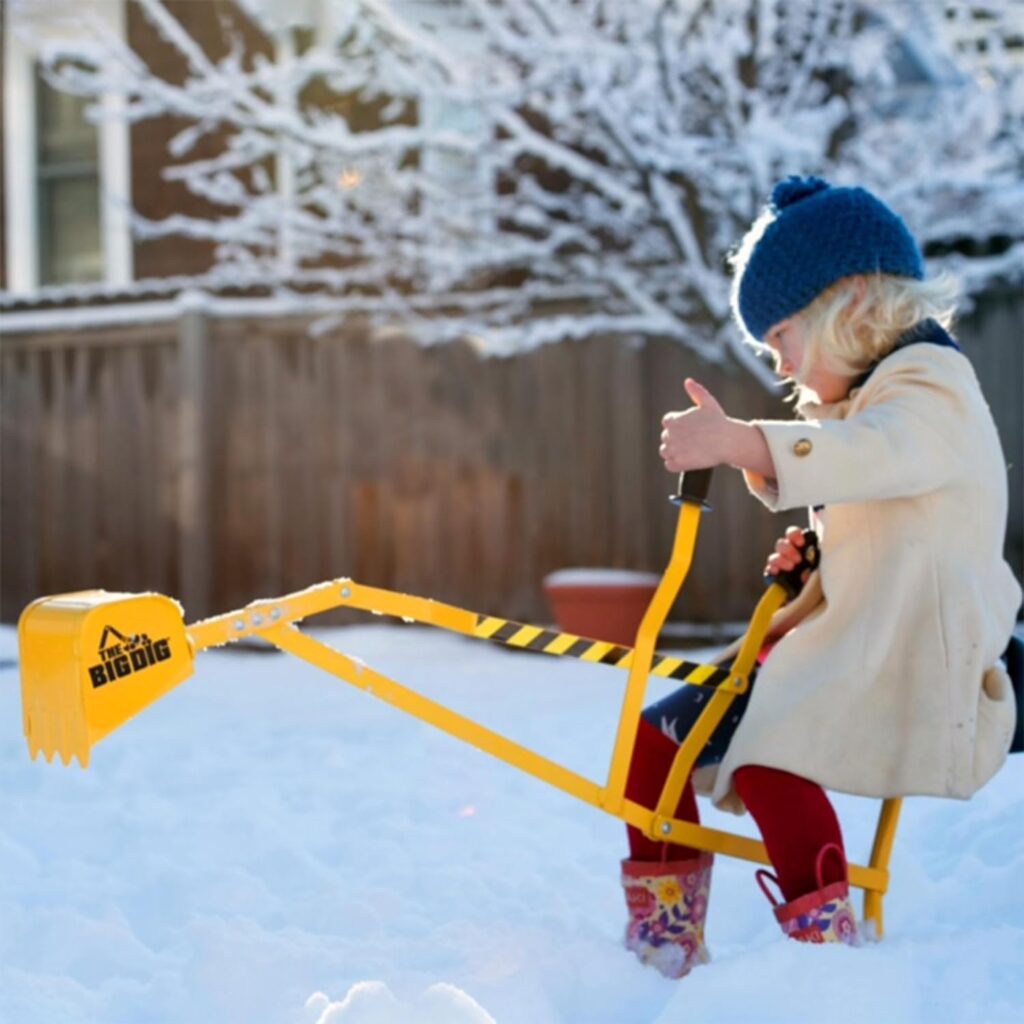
(534, 638)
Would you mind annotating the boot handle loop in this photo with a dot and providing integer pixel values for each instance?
(761, 875)
(819, 861)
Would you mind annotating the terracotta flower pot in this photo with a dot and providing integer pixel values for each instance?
(600, 604)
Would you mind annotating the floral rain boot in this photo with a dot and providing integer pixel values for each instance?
(667, 903)
(825, 915)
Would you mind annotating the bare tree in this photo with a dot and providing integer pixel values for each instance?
(534, 170)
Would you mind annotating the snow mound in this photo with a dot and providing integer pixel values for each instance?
(372, 1002)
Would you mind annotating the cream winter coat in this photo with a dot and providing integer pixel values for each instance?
(892, 685)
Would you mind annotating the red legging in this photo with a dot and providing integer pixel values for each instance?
(794, 816)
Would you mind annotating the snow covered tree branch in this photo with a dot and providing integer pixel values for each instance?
(530, 171)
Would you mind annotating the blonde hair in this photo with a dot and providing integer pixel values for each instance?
(848, 333)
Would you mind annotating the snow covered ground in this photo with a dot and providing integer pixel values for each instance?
(270, 845)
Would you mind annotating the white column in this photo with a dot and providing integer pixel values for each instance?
(21, 241)
(116, 174)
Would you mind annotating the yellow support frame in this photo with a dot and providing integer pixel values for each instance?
(275, 620)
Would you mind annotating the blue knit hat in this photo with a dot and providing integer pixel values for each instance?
(818, 234)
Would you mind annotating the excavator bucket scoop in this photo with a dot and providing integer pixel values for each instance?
(91, 660)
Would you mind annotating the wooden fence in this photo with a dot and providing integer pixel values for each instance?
(220, 460)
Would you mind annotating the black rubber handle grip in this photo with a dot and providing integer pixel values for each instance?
(810, 556)
(693, 488)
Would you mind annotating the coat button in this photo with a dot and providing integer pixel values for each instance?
(802, 447)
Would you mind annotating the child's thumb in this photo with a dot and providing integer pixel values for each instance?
(700, 395)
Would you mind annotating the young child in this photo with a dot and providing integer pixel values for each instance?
(891, 685)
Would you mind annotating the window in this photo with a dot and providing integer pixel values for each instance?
(68, 189)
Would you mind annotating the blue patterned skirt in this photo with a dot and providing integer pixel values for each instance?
(676, 714)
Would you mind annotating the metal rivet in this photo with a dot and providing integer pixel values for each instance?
(257, 620)
(239, 624)
(666, 829)
(275, 614)
(346, 591)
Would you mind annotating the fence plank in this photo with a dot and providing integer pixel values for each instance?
(193, 465)
(20, 459)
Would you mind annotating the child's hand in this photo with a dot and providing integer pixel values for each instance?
(694, 439)
(703, 437)
(787, 554)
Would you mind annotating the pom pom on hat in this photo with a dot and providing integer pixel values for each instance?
(792, 189)
(815, 235)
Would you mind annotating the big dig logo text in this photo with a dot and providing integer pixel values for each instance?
(122, 655)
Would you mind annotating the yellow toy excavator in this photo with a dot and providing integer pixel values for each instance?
(91, 660)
